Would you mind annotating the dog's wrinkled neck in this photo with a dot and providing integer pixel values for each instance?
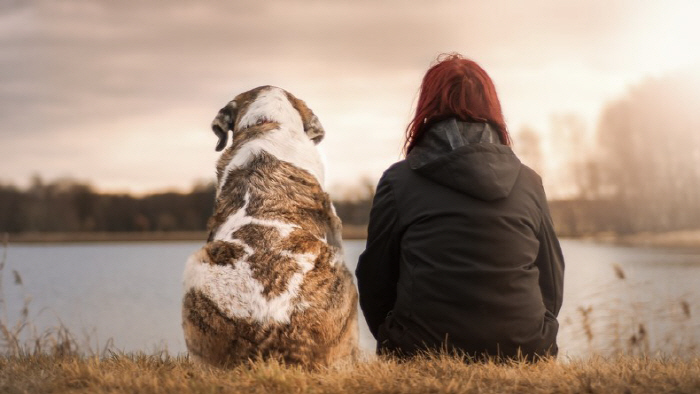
(261, 122)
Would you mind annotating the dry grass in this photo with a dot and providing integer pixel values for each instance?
(432, 374)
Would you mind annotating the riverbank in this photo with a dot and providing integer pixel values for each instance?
(80, 237)
(440, 374)
(349, 232)
(673, 239)
(689, 239)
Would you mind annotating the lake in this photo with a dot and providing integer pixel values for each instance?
(616, 299)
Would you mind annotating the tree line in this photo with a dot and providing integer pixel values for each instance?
(67, 205)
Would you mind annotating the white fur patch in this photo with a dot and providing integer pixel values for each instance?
(271, 104)
(240, 218)
(237, 294)
(305, 260)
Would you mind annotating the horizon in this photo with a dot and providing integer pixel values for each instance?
(121, 95)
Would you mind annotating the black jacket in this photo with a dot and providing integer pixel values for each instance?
(461, 250)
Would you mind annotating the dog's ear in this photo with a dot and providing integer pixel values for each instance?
(223, 122)
(312, 126)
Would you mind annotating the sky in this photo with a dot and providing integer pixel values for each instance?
(121, 94)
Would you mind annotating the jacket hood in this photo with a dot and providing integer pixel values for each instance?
(467, 157)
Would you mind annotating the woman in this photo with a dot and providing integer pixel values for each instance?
(461, 254)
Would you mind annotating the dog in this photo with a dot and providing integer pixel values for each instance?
(271, 282)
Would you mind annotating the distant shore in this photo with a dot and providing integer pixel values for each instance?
(675, 239)
(349, 232)
(689, 239)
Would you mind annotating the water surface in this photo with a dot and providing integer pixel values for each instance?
(616, 298)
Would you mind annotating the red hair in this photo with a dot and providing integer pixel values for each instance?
(456, 87)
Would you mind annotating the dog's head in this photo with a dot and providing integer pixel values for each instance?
(265, 104)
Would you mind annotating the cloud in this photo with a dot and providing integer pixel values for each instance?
(77, 69)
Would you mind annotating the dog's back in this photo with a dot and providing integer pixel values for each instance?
(271, 281)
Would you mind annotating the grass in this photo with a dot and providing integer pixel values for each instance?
(55, 362)
(430, 374)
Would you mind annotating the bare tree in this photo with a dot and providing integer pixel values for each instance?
(528, 146)
(579, 170)
(650, 145)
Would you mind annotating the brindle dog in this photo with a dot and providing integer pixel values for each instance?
(271, 281)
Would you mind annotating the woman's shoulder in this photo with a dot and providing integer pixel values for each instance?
(397, 168)
(530, 174)
(399, 172)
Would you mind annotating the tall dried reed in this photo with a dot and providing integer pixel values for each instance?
(19, 337)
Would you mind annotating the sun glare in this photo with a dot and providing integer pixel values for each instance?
(667, 37)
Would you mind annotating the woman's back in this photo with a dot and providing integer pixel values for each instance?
(461, 253)
(469, 238)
